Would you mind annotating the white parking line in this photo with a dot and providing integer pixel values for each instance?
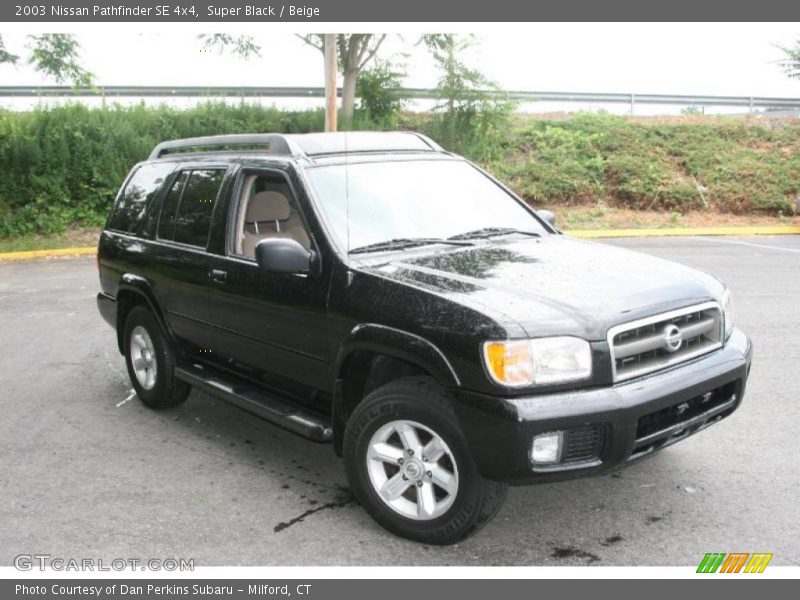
(130, 397)
(719, 241)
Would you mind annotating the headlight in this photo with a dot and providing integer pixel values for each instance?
(519, 363)
(727, 312)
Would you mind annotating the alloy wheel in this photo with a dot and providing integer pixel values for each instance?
(412, 470)
(143, 357)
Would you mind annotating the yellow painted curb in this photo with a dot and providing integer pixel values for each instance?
(686, 231)
(579, 233)
(28, 254)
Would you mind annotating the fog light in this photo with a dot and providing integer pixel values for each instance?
(546, 448)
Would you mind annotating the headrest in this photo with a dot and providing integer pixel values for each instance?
(267, 206)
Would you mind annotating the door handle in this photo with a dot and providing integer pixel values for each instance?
(218, 276)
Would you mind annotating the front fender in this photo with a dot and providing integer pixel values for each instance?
(398, 344)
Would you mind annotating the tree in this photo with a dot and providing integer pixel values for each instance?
(55, 55)
(354, 51)
(458, 85)
(791, 62)
(5, 55)
(472, 116)
(242, 45)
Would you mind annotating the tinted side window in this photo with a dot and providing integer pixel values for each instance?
(193, 218)
(169, 208)
(137, 195)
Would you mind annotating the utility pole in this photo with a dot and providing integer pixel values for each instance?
(330, 82)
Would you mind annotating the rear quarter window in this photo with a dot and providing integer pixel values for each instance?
(137, 196)
(169, 208)
(188, 207)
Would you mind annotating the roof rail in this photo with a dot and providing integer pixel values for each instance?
(359, 142)
(429, 141)
(274, 144)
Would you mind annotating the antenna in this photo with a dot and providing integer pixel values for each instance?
(347, 195)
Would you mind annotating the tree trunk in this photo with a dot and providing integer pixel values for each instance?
(349, 94)
(330, 81)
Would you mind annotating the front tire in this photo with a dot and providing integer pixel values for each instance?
(408, 465)
(151, 361)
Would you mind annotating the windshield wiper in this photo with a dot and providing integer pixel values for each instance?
(487, 232)
(400, 243)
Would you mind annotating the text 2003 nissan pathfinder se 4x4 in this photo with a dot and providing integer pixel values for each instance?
(377, 292)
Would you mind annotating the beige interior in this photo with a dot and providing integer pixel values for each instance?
(268, 214)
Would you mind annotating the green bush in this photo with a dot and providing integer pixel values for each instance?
(554, 163)
(376, 102)
(62, 166)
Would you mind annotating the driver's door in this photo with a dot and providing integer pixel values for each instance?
(274, 324)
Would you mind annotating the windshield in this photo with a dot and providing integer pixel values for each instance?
(414, 199)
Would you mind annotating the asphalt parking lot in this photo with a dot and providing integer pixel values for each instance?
(87, 471)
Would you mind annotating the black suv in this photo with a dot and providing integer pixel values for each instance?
(374, 291)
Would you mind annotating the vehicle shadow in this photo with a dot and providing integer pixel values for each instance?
(264, 448)
(579, 522)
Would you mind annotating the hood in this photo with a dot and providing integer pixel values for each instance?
(554, 285)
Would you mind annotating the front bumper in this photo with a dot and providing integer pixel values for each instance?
(613, 425)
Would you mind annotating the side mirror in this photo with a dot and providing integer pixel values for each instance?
(548, 217)
(283, 255)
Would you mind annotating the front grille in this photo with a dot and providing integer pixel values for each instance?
(670, 424)
(682, 412)
(582, 444)
(663, 340)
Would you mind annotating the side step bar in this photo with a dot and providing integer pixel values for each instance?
(278, 411)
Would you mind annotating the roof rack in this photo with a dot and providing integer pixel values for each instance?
(306, 144)
(272, 143)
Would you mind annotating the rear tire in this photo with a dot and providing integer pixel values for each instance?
(151, 361)
(408, 465)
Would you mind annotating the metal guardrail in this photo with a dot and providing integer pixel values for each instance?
(112, 91)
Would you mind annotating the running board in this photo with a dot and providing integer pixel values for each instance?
(271, 408)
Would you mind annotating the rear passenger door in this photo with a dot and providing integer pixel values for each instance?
(181, 260)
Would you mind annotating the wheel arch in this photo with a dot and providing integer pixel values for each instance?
(134, 290)
(374, 355)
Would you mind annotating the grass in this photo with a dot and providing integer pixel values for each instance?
(599, 216)
(73, 237)
(736, 165)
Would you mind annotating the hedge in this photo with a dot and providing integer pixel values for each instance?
(62, 166)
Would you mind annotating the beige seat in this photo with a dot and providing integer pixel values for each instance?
(269, 215)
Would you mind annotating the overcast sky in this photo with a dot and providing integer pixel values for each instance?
(718, 59)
